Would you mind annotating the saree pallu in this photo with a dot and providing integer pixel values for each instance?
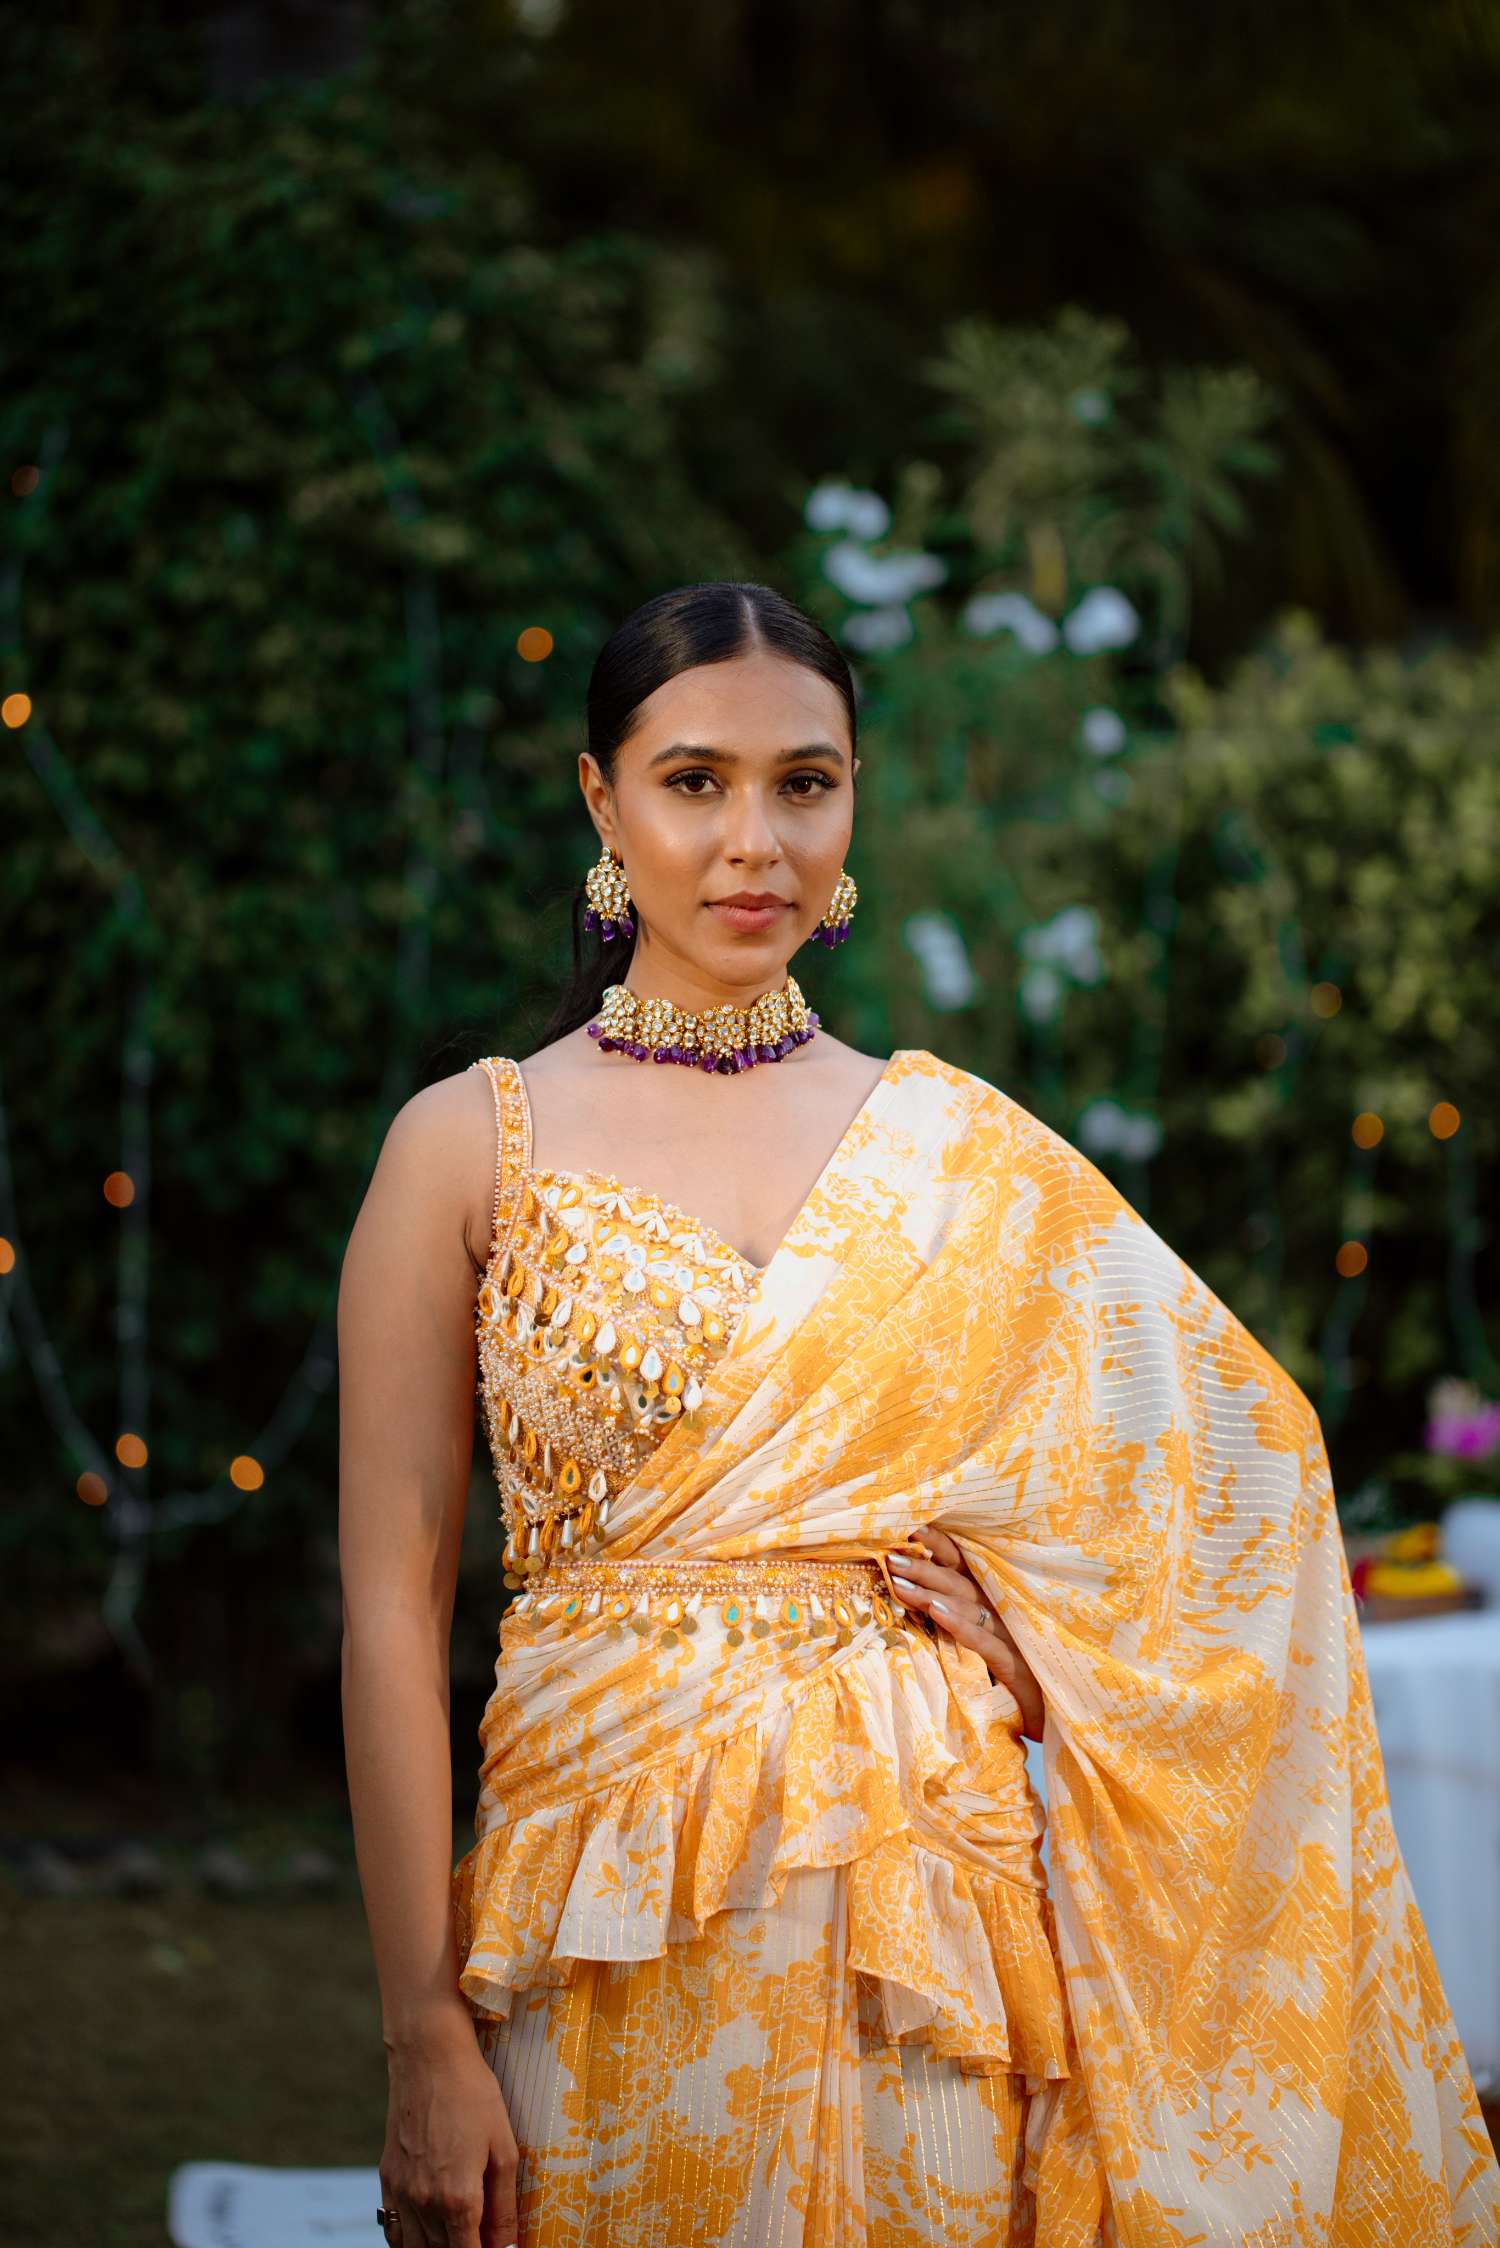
(1217, 2020)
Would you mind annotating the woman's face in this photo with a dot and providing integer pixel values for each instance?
(738, 777)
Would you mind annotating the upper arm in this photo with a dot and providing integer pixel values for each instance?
(407, 1365)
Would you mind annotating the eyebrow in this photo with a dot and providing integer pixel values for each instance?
(712, 756)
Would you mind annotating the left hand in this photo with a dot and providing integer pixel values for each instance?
(943, 1588)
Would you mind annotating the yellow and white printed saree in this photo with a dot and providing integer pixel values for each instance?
(1223, 2024)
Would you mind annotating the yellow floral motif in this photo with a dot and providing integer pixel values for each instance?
(756, 1927)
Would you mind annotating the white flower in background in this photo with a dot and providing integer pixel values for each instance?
(1069, 941)
(1102, 730)
(1041, 994)
(834, 505)
(880, 579)
(1090, 405)
(991, 612)
(937, 941)
(1107, 1129)
(1102, 619)
(872, 631)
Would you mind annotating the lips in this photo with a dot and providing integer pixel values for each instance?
(747, 917)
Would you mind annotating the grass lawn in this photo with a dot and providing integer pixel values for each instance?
(141, 2033)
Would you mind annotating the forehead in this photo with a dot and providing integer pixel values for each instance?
(755, 702)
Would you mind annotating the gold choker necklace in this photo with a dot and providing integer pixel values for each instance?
(722, 1038)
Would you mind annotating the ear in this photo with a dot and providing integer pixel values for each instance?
(597, 797)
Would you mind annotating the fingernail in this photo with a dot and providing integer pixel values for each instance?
(899, 1561)
(943, 1607)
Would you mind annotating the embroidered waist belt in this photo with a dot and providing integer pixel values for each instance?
(751, 1596)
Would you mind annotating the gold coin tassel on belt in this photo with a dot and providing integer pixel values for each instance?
(796, 1600)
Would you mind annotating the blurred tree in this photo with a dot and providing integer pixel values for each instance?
(341, 428)
(326, 481)
(1309, 192)
(1245, 929)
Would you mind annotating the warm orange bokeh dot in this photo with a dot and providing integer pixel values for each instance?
(1352, 1258)
(534, 644)
(246, 1474)
(7, 1255)
(1325, 999)
(119, 1188)
(1367, 1129)
(24, 481)
(15, 710)
(91, 1488)
(1442, 1120)
(129, 1450)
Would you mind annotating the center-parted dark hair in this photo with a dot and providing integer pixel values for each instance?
(691, 625)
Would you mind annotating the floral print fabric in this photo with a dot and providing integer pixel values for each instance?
(1223, 2025)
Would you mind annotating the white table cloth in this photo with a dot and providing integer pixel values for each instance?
(1435, 1684)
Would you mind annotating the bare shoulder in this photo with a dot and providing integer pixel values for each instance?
(565, 1059)
(440, 1148)
(856, 1070)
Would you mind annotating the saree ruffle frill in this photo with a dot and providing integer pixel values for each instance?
(862, 1766)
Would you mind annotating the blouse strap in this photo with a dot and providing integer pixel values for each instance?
(512, 1142)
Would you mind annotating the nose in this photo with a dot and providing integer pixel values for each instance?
(749, 831)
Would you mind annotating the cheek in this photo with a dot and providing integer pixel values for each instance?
(820, 830)
(671, 849)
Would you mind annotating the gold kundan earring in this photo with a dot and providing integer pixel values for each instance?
(608, 894)
(834, 926)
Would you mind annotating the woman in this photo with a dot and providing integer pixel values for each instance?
(847, 1424)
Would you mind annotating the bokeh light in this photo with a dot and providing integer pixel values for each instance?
(534, 644)
(119, 1189)
(1352, 1258)
(24, 480)
(7, 1255)
(130, 1450)
(91, 1488)
(15, 710)
(245, 1473)
(1443, 1120)
(1325, 999)
(1367, 1130)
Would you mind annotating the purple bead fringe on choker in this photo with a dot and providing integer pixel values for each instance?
(743, 1057)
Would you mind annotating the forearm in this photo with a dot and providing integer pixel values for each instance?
(397, 1757)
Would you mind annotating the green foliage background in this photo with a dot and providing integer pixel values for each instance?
(336, 386)
(1286, 878)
